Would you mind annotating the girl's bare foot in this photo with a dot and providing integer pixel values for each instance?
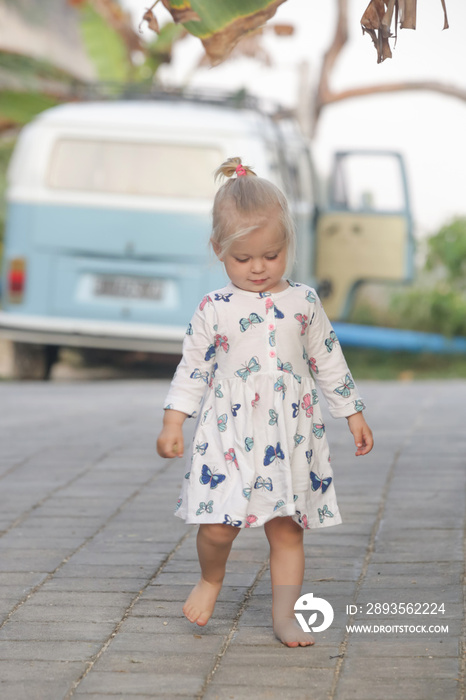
(288, 631)
(201, 601)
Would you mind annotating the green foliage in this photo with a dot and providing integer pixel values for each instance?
(21, 107)
(107, 50)
(160, 50)
(28, 70)
(437, 303)
(387, 365)
(104, 47)
(6, 149)
(447, 252)
(216, 16)
(436, 309)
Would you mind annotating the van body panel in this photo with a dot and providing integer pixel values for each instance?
(122, 233)
(127, 291)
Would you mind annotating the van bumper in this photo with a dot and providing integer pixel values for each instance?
(43, 330)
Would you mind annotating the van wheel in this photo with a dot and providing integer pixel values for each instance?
(33, 361)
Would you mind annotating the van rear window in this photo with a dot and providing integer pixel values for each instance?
(128, 168)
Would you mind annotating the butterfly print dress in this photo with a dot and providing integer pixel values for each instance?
(248, 375)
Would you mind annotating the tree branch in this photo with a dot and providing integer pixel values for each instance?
(427, 85)
(330, 58)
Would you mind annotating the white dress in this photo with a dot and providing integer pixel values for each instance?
(248, 372)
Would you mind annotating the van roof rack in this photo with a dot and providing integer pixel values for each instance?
(240, 99)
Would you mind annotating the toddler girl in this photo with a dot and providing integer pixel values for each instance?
(251, 356)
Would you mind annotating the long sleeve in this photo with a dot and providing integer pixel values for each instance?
(194, 372)
(328, 365)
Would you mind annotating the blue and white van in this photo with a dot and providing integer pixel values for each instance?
(109, 211)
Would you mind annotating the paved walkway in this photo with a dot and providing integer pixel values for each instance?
(94, 567)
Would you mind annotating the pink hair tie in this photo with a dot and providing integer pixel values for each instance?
(240, 170)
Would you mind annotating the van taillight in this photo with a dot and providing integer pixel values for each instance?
(16, 280)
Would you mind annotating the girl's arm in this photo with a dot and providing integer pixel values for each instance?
(189, 383)
(362, 434)
(328, 365)
(194, 373)
(170, 442)
(331, 372)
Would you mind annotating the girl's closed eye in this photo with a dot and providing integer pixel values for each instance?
(241, 260)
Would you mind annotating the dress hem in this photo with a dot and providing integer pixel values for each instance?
(260, 522)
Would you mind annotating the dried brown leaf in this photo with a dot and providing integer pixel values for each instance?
(374, 22)
(181, 16)
(378, 18)
(373, 15)
(386, 51)
(151, 20)
(407, 14)
(388, 18)
(283, 29)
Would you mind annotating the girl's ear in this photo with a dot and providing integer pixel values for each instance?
(217, 250)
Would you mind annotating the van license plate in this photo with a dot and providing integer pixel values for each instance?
(129, 287)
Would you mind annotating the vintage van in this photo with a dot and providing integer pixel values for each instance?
(108, 220)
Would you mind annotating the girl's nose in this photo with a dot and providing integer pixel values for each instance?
(257, 265)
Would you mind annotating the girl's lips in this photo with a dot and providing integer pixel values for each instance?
(258, 281)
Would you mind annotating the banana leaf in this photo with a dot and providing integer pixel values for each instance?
(104, 46)
(220, 24)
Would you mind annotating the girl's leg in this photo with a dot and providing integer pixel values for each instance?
(287, 572)
(213, 547)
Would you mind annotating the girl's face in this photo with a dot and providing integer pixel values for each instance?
(256, 262)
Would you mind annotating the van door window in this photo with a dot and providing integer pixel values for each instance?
(131, 168)
(363, 182)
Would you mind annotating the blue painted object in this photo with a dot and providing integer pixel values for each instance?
(352, 335)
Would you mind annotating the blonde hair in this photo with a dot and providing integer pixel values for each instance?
(243, 196)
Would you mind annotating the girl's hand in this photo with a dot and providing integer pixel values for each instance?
(170, 442)
(362, 434)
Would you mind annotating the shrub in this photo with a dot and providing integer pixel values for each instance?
(437, 303)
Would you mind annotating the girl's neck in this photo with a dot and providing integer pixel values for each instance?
(279, 287)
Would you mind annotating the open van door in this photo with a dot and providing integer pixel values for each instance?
(366, 233)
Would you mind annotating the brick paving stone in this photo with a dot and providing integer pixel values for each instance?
(233, 692)
(144, 662)
(46, 690)
(263, 675)
(168, 609)
(198, 641)
(319, 656)
(95, 584)
(82, 600)
(442, 592)
(27, 671)
(375, 688)
(118, 696)
(65, 613)
(47, 650)
(181, 592)
(392, 647)
(57, 631)
(157, 683)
